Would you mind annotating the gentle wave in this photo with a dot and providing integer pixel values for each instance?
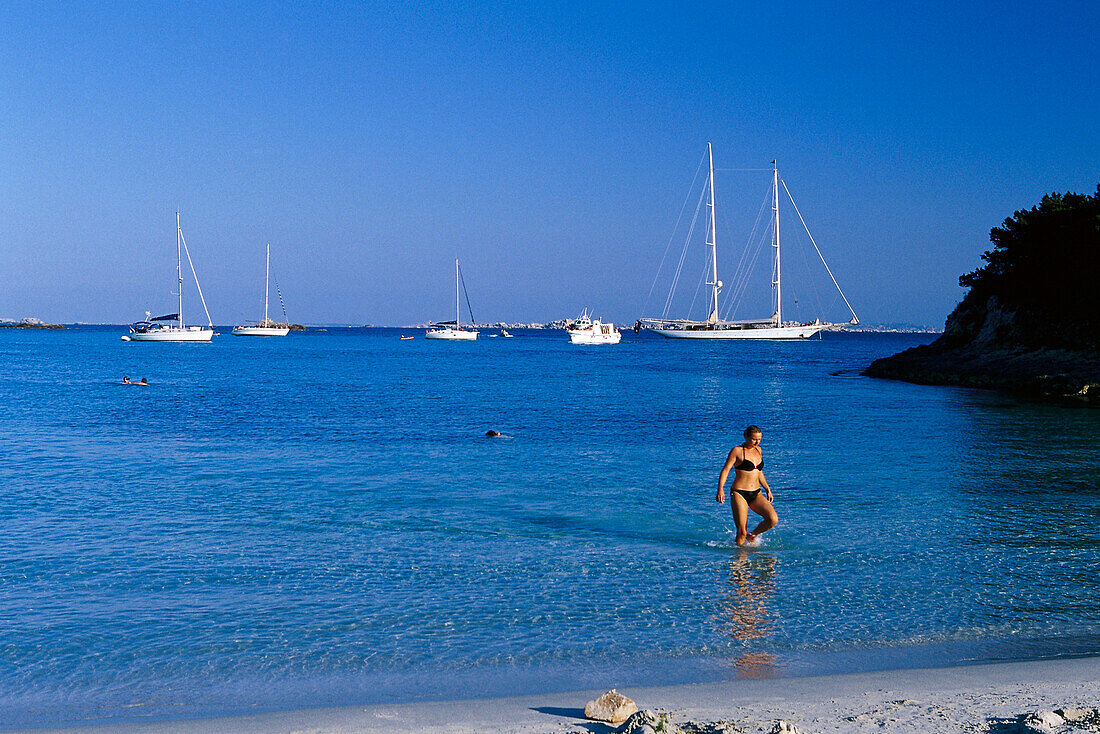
(320, 520)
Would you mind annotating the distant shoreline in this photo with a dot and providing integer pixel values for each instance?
(37, 324)
(27, 324)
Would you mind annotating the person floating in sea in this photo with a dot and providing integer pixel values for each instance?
(126, 381)
(745, 494)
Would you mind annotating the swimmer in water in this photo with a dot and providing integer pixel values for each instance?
(745, 494)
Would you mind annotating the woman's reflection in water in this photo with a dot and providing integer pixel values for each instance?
(744, 611)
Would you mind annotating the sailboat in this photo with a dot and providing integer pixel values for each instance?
(159, 329)
(774, 327)
(267, 327)
(453, 330)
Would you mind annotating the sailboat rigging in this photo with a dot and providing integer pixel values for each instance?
(267, 327)
(158, 329)
(453, 330)
(773, 327)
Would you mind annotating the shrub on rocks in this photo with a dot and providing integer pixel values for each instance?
(710, 727)
(648, 721)
(1042, 721)
(785, 727)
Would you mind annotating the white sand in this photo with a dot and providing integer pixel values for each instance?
(976, 698)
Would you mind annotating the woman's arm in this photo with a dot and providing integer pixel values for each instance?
(721, 497)
(764, 484)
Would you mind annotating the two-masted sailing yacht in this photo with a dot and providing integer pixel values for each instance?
(267, 327)
(160, 328)
(773, 327)
(453, 330)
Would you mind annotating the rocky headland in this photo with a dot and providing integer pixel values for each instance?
(1030, 323)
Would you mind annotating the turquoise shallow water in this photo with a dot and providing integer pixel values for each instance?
(318, 520)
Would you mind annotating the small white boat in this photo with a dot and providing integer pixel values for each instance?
(267, 327)
(159, 329)
(504, 333)
(452, 330)
(585, 330)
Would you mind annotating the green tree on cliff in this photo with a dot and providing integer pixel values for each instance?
(1042, 277)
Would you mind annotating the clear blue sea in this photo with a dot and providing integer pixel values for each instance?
(318, 520)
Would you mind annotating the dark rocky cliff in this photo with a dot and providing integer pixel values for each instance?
(1031, 320)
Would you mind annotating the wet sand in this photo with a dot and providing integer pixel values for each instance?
(979, 698)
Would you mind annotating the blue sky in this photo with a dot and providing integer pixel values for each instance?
(548, 145)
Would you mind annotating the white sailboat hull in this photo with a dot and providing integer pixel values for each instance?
(174, 334)
(774, 333)
(451, 334)
(260, 331)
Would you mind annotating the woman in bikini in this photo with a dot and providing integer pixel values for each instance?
(745, 494)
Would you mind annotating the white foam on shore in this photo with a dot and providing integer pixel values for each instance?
(900, 701)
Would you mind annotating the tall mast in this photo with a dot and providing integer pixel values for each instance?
(456, 294)
(179, 270)
(267, 277)
(713, 317)
(778, 281)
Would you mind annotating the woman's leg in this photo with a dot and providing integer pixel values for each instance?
(764, 509)
(740, 515)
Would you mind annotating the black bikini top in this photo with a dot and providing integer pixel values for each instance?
(747, 465)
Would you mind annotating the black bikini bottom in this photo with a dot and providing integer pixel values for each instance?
(749, 496)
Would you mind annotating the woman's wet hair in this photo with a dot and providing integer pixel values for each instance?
(751, 430)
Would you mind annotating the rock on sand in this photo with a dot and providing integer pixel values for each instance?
(612, 707)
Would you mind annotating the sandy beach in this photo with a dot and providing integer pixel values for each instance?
(979, 698)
